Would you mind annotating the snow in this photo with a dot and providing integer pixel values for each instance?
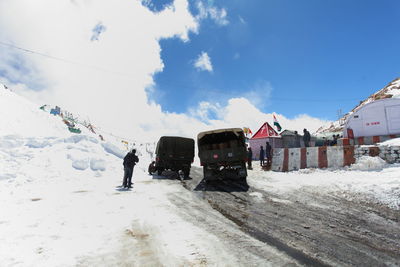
(366, 163)
(21, 117)
(114, 150)
(369, 178)
(394, 89)
(97, 164)
(391, 142)
(58, 211)
(60, 204)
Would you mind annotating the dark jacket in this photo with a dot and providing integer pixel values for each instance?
(296, 140)
(249, 154)
(306, 136)
(130, 160)
(262, 155)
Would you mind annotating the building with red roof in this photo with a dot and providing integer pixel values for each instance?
(265, 134)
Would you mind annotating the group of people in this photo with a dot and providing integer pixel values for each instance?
(306, 138)
(332, 142)
(265, 156)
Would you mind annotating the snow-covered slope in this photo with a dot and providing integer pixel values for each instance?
(58, 191)
(23, 118)
(47, 174)
(392, 90)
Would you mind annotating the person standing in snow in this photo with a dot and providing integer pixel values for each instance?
(306, 138)
(262, 156)
(130, 161)
(249, 158)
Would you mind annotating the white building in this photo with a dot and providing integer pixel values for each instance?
(380, 117)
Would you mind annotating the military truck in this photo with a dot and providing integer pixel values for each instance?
(174, 153)
(223, 154)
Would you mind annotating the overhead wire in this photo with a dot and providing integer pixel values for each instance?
(63, 59)
(279, 99)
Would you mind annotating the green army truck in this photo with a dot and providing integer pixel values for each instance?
(174, 153)
(223, 154)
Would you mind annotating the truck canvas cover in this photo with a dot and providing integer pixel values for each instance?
(223, 145)
(175, 147)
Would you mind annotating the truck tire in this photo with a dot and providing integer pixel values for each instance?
(207, 173)
(151, 169)
(186, 173)
(242, 172)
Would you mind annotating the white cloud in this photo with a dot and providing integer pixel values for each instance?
(240, 112)
(205, 111)
(126, 56)
(219, 15)
(203, 62)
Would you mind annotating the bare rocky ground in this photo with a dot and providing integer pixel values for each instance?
(313, 228)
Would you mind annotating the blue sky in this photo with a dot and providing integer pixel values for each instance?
(312, 57)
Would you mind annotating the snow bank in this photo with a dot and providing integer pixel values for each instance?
(367, 163)
(113, 149)
(97, 164)
(80, 164)
(370, 178)
(37, 143)
(10, 141)
(60, 205)
(79, 138)
(391, 142)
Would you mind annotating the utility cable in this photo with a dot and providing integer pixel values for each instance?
(63, 59)
(169, 82)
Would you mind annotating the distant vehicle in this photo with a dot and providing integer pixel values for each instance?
(174, 153)
(223, 154)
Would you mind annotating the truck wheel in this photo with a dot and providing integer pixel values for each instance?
(243, 181)
(207, 173)
(186, 173)
(242, 172)
(151, 170)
